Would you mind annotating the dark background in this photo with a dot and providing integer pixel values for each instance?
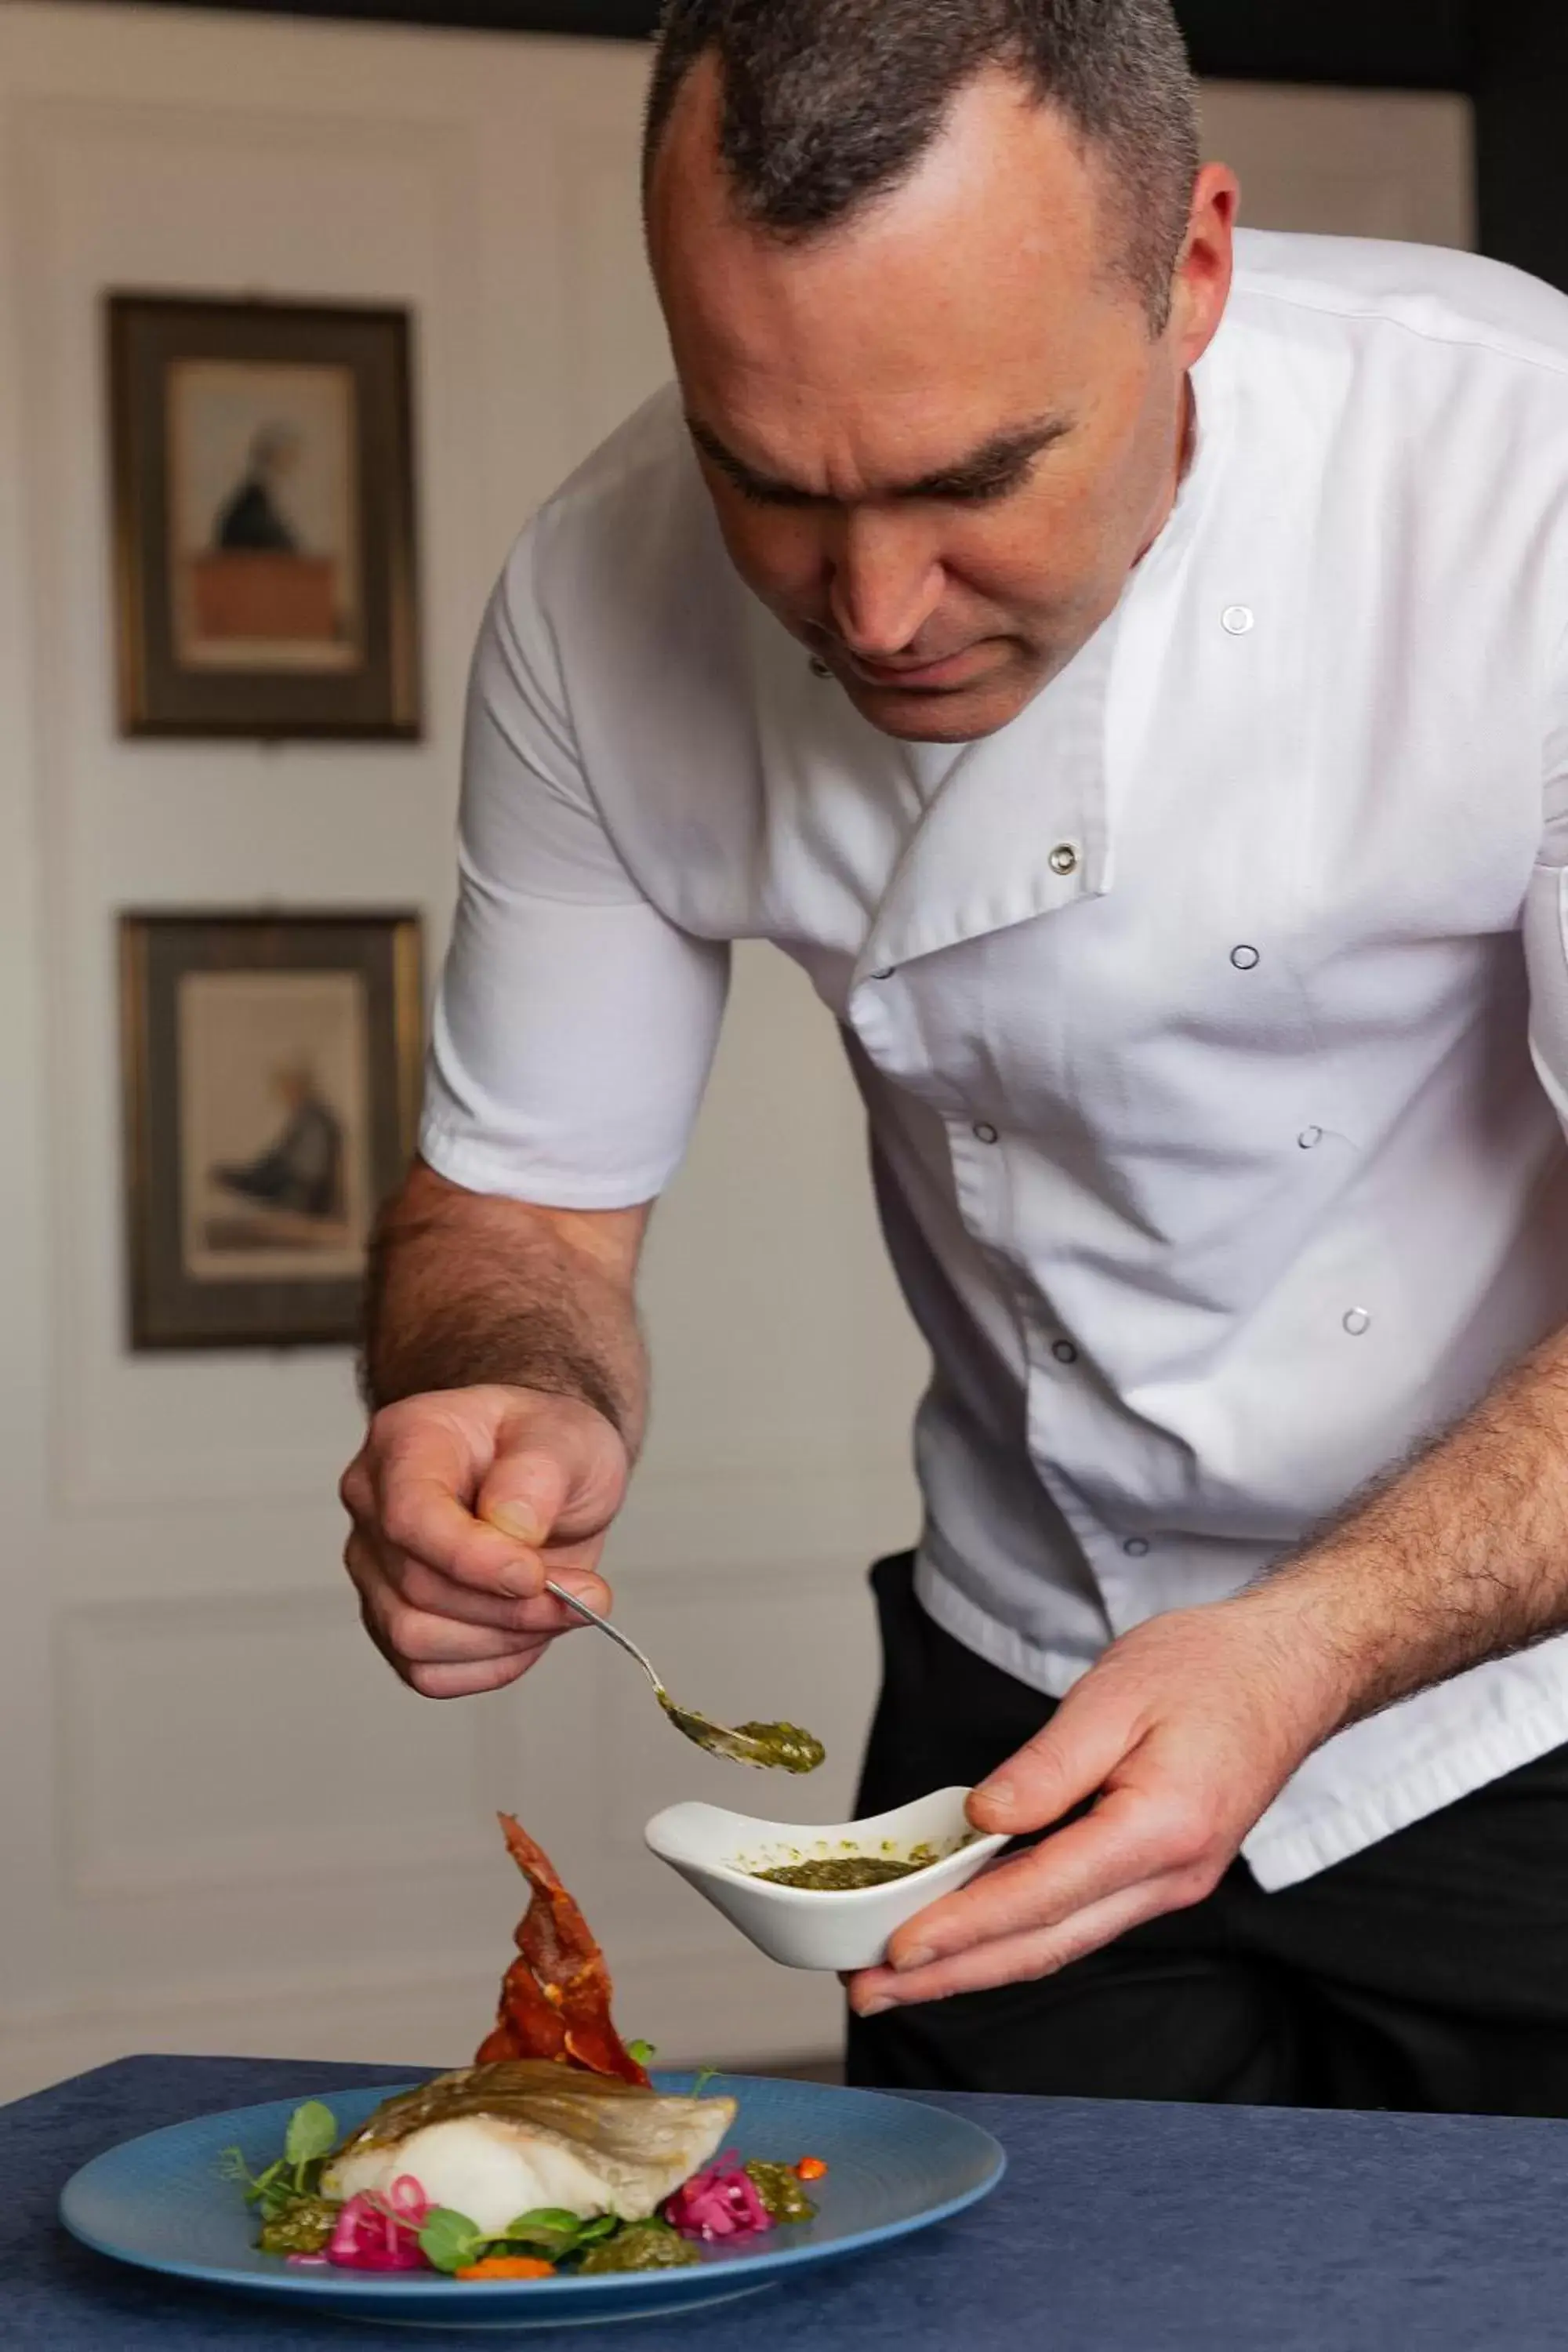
(1512, 55)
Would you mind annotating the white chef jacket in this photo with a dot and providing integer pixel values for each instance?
(1194, 1012)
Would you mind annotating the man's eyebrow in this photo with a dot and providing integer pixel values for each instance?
(992, 466)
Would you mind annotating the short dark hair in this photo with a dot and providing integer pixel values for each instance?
(827, 103)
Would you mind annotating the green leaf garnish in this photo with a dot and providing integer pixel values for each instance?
(641, 2050)
(550, 2230)
(269, 2188)
(312, 2133)
(558, 2235)
(232, 2165)
(705, 2074)
(449, 2240)
(555, 2221)
(295, 2217)
(602, 2225)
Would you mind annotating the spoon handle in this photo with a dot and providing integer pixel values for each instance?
(559, 1593)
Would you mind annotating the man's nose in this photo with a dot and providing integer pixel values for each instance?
(885, 581)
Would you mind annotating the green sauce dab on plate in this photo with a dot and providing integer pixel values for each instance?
(303, 2226)
(639, 2246)
(778, 2185)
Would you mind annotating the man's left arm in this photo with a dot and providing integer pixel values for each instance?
(1187, 1729)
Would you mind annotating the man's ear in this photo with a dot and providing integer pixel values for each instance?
(1202, 284)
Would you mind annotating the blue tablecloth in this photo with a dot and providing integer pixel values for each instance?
(1119, 2228)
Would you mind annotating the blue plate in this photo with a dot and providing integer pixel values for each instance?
(894, 2166)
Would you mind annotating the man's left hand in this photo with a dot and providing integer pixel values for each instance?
(1182, 1734)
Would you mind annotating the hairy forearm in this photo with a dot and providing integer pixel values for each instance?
(464, 1290)
(1460, 1556)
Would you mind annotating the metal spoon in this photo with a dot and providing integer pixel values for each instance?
(782, 1745)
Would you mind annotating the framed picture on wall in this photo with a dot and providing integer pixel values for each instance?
(264, 506)
(271, 1081)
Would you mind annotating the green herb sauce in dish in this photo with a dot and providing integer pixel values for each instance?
(837, 1873)
(851, 1867)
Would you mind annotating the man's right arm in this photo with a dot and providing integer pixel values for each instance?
(506, 1382)
(570, 1039)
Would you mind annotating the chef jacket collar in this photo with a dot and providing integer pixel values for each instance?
(1018, 826)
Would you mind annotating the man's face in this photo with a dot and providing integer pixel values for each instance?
(939, 436)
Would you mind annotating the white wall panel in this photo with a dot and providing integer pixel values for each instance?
(28, 1820)
(215, 1741)
(1348, 163)
(617, 352)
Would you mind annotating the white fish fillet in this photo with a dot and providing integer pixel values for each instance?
(526, 2133)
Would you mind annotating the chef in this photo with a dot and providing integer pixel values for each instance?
(1125, 665)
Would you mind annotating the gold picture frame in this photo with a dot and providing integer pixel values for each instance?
(266, 576)
(271, 1073)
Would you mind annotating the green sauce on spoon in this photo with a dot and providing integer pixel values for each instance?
(774, 1746)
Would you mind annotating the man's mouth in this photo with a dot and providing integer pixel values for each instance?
(921, 675)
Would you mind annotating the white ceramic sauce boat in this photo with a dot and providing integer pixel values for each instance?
(808, 1927)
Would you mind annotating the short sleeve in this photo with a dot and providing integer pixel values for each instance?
(1546, 910)
(574, 1025)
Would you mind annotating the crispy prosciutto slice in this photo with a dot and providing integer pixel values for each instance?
(555, 1996)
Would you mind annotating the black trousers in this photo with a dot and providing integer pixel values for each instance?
(1429, 1972)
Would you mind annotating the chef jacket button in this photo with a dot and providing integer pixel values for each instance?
(1064, 1351)
(818, 668)
(1309, 1138)
(884, 971)
(1136, 1547)
(1237, 619)
(985, 1130)
(1063, 858)
(1245, 959)
(1356, 1321)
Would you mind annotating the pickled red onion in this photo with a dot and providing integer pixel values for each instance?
(382, 2234)
(721, 2202)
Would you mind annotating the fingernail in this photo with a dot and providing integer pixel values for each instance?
(874, 2008)
(516, 1519)
(919, 1958)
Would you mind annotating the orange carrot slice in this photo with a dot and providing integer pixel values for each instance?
(507, 2267)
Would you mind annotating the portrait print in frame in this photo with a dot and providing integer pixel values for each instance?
(263, 518)
(272, 1067)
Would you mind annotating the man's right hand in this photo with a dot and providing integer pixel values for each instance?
(463, 1502)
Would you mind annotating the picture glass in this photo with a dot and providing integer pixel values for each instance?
(263, 529)
(273, 1125)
